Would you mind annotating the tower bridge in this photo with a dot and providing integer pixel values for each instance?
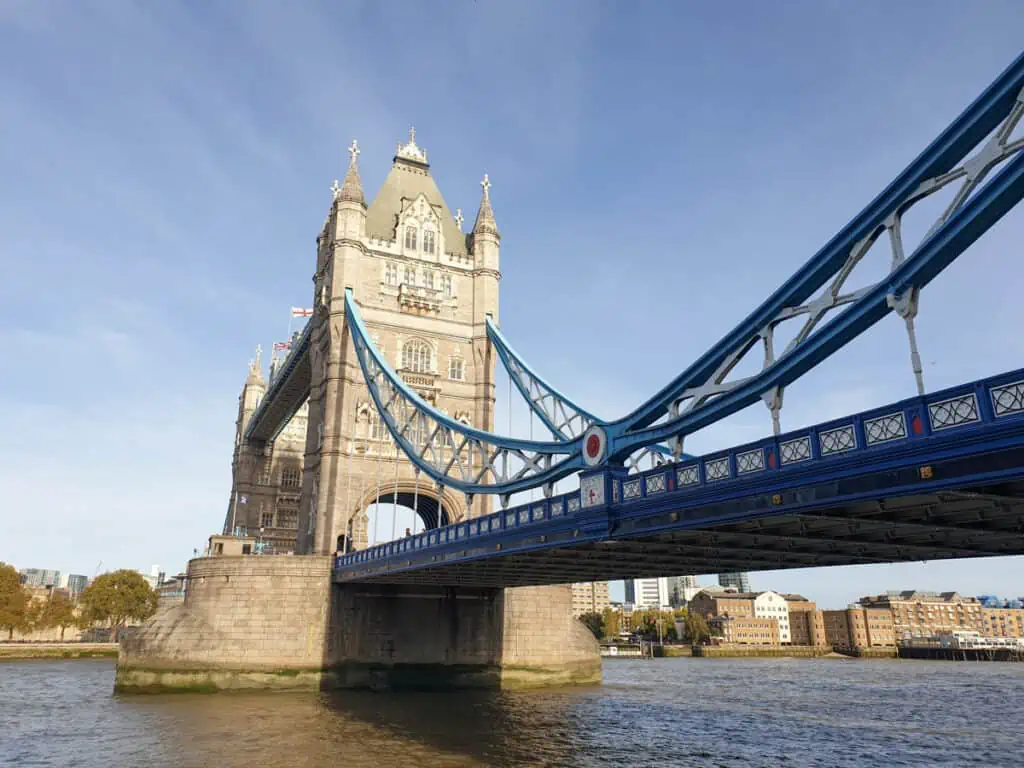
(395, 376)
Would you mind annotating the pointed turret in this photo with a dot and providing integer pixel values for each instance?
(256, 369)
(486, 242)
(348, 207)
(485, 222)
(352, 188)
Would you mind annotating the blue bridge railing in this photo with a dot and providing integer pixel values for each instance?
(897, 429)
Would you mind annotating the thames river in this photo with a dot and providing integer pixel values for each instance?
(664, 712)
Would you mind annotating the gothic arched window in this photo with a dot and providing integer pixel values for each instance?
(410, 238)
(446, 285)
(410, 276)
(416, 356)
(428, 241)
(428, 278)
(390, 273)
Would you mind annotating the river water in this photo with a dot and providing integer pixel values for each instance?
(662, 712)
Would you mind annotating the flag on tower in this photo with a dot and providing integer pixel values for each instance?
(282, 345)
(298, 312)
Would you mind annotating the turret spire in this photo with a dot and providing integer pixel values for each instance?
(352, 188)
(256, 367)
(485, 216)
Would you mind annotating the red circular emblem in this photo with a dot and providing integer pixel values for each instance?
(593, 446)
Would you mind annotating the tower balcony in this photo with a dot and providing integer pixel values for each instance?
(425, 384)
(419, 298)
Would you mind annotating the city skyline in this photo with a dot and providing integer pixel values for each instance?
(179, 195)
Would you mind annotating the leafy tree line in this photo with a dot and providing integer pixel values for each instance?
(649, 624)
(111, 599)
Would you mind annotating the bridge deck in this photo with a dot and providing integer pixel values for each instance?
(929, 478)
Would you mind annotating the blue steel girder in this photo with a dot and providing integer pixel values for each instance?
(558, 413)
(957, 440)
(995, 114)
(451, 453)
(564, 419)
(475, 461)
(715, 401)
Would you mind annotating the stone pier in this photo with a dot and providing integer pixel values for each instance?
(276, 622)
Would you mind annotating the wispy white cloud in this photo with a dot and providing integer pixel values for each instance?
(657, 173)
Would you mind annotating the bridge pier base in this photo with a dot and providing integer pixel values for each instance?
(279, 623)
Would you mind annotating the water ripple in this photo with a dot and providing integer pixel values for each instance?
(669, 712)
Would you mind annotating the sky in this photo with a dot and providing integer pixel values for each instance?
(658, 170)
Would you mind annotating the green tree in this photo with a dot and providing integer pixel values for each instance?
(595, 623)
(115, 597)
(13, 599)
(59, 611)
(695, 628)
(653, 625)
(612, 622)
(32, 617)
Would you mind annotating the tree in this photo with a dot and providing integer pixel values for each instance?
(116, 597)
(611, 622)
(13, 600)
(31, 618)
(655, 625)
(595, 623)
(59, 611)
(695, 627)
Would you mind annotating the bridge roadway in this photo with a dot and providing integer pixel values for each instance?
(285, 394)
(929, 478)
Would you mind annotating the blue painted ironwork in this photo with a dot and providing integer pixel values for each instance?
(564, 418)
(960, 421)
(703, 386)
(452, 453)
(487, 463)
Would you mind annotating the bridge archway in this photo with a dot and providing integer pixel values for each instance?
(430, 510)
(401, 507)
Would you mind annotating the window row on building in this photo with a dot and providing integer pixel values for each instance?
(412, 277)
(414, 237)
(418, 357)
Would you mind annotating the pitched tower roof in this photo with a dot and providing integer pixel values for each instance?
(408, 178)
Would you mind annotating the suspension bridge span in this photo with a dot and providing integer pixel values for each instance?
(387, 397)
(399, 286)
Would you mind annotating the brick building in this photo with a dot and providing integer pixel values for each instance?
(1002, 622)
(806, 622)
(745, 630)
(917, 614)
(859, 627)
(589, 597)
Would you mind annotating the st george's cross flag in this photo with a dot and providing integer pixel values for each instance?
(298, 312)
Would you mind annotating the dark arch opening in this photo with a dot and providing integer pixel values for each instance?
(430, 510)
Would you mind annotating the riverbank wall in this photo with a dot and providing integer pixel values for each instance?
(10, 651)
(755, 651)
(869, 653)
(276, 622)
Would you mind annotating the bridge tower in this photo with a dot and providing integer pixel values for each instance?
(266, 475)
(425, 288)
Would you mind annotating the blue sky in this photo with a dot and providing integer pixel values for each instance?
(658, 170)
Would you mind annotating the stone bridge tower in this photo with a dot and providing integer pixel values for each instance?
(424, 288)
